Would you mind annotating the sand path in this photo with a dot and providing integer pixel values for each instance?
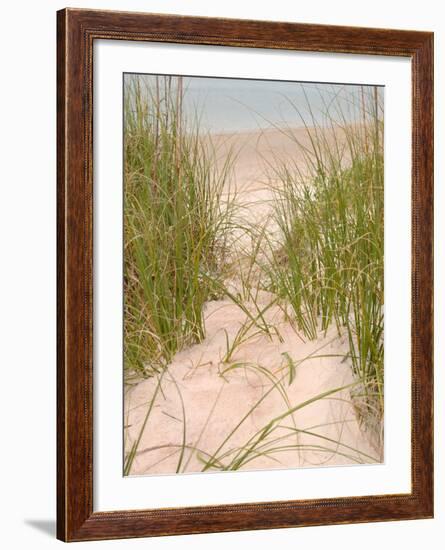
(258, 408)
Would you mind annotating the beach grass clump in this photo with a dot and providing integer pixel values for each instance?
(174, 226)
(329, 265)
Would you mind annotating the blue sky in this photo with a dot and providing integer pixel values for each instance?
(229, 105)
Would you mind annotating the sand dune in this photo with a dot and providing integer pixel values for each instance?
(200, 408)
(215, 402)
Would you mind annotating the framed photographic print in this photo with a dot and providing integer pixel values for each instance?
(244, 275)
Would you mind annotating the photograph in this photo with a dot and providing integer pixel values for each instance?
(224, 278)
(244, 272)
(253, 274)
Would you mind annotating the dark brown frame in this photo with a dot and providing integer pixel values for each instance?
(76, 32)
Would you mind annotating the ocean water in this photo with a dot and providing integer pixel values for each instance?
(226, 105)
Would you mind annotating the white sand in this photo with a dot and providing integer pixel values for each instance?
(199, 404)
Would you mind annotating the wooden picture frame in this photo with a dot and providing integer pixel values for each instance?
(76, 32)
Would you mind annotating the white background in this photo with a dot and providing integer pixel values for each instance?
(27, 460)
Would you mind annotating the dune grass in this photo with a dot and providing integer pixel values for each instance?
(174, 225)
(329, 265)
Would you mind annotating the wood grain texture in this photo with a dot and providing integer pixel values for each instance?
(76, 32)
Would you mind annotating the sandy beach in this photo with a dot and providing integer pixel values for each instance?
(206, 411)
